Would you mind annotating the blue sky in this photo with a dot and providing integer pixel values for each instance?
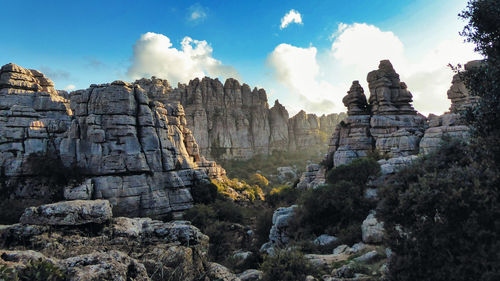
(306, 65)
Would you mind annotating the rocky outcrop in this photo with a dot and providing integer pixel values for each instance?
(389, 125)
(372, 230)
(69, 213)
(451, 124)
(279, 235)
(312, 177)
(458, 93)
(33, 118)
(108, 248)
(233, 121)
(395, 125)
(351, 138)
(136, 152)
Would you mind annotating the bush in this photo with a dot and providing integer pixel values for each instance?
(283, 196)
(358, 171)
(259, 180)
(333, 209)
(263, 226)
(287, 265)
(201, 215)
(204, 192)
(441, 215)
(229, 211)
(41, 271)
(8, 273)
(38, 270)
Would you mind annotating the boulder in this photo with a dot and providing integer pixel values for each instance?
(250, 275)
(112, 265)
(325, 239)
(372, 230)
(278, 234)
(369, 257)
(76, 212)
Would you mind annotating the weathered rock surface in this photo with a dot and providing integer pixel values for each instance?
(279, 235)
(389, 125)
(231, 120)
(392, 165)
(451, 124)
(312, 177)
(372, 230)
(325, 239)
(250, 275)
(286, 174)
(68, 213)
(136, 152)
(124, 248)
(33, 118)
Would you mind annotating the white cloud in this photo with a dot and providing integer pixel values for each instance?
(70, 87)
(288, 18)
(154, 55)
(298, 69)
(357, 49)
(197, 13)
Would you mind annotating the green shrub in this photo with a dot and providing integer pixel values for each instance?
(259, 180)
(441, 215)
(287, 266)
(201, 215)
(333, 209)
(8, 273)
(283, 196)
(204, 192)
(229, 211)
(358, 171)
(41, 271)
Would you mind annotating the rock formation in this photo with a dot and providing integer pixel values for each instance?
(451, 123)
(389, 125)
(33, 117)
(138, 153)
(109, 248)
(233, 121)
(395, 125)
(351, 139)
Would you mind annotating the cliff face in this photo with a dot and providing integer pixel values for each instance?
(389, 124)
(233, 121)
(138, 153)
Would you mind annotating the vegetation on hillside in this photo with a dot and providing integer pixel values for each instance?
(442, 213)
(266, 165)
(339, 207)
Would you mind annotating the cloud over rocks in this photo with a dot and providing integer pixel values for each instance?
(291, 17)
(298, 70)
(320, 79)
(154, 55)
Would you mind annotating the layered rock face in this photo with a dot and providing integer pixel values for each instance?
(395, 125)
(138, 152)
(33, 118)
(451, 124)
(388, 123)
(233, 121)
(351, 139)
